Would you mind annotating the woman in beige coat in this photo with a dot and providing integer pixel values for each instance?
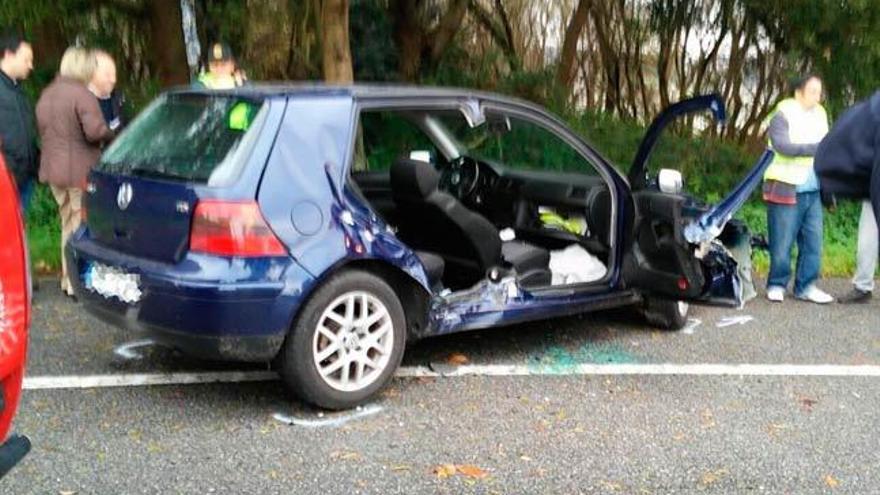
(72, 130)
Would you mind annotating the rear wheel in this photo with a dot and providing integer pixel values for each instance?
(666, 313)
(346, 343)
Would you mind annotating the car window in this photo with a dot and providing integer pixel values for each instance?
(195, 138)
(385, 136)
(521, 144)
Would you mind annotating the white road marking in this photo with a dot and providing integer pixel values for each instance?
(127, 350)
(333, 422)
(669, 369)
(144, 379)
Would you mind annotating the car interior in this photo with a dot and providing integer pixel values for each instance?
(481, 202)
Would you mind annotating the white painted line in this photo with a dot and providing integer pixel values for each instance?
(127, 350)
(146, 379)
(333, 422)
(652, 369)
(143, 379)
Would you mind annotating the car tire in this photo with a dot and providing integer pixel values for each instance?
(666, 313)
(347, 341)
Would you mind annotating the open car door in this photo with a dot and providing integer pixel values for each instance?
(674, 250)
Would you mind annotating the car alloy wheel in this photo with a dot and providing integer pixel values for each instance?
(346, 342)
(353, 342)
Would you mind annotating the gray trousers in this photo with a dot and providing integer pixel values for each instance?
(866, 254)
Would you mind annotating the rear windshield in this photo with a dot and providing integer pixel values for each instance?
(192, 138)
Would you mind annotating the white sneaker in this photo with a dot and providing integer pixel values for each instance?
(776, 294)
(816, 295)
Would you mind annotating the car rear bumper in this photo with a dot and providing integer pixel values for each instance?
(205, 306)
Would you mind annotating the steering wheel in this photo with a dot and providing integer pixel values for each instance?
(460, 177)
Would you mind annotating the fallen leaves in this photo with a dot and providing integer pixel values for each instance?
(707, 419)
(712, 477)
(344, 455)
(457, 359)
(831, 481)
(807, 403)
(444, 471)
(774, 429)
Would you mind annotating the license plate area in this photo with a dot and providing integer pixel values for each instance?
(111, 282)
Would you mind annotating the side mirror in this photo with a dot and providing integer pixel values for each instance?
(670, 181)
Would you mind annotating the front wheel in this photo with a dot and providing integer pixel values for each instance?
(666, 313)
(347, 342)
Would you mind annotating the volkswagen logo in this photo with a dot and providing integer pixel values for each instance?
(123, 197)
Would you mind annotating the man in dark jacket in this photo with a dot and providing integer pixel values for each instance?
(846, 163)
(17, 130)
(847, 159)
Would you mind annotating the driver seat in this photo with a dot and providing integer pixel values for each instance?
(433, 220)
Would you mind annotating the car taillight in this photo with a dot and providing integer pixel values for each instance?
(228, 228)
(14, 300)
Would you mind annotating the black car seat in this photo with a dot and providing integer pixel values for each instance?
(434, 220)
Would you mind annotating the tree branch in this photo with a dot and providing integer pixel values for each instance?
(448, 27)
(134, 8)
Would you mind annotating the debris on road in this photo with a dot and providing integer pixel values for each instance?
(733, 320)
(331, 420)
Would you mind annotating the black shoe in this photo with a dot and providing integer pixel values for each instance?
(71, 297)
(855, 296)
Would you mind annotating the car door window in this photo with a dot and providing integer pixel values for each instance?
(385, 136)
(521, 144)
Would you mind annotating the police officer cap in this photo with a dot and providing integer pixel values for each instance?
(219, 52)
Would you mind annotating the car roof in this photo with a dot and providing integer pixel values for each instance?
(388, 90)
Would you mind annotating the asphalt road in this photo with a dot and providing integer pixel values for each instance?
(527, 434)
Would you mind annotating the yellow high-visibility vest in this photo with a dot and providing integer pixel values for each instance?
(804, 127)
(211, 81)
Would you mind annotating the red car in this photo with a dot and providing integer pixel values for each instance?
(15, 312)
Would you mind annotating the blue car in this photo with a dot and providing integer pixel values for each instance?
(322, 228)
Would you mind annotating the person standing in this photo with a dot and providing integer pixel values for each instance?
(17, 131)
(72, 129)
(103, 86)
(866, 258)
(222, 70)
(847, 166)
(791, 191)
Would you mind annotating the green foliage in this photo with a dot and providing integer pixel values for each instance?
(44, 231)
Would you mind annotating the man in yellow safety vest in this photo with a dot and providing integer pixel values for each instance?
(791, 190)
(222, 73)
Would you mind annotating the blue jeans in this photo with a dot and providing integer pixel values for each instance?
(802, 223)
(25, 192)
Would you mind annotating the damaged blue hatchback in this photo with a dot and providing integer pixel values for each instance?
(322, 228)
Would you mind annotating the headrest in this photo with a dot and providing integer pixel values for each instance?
(413, 179)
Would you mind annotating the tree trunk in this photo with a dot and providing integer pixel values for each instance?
(565, 73)
(49, 42)
(267, 43)
(335, 45)
(408, 36)
(168, 53)
(449, 25)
